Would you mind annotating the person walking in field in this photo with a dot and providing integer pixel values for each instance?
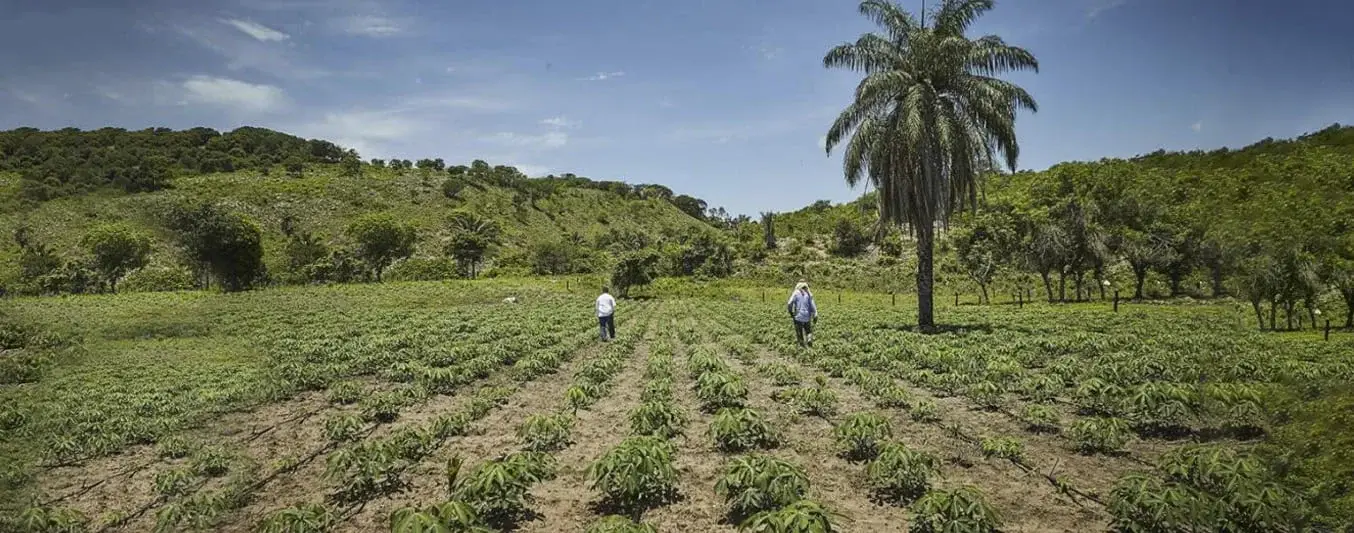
(804, 313)
(606, 311)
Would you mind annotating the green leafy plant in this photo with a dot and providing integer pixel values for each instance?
(817, 401)
(657, 418)
(173, 448)
(619, 524)
(1003, 447)
(900, 474)
(860, 435)
(956, 510)
(498, 490)
(174, 481)
(345, 392)
(1099, 435)
(53, 520)
(210, 461)
(717, 390)
(546, 433)
(303, 518)
(804, 516)
(383, 407)
(986, 394)
(925, 411)
(755, 483)
(636, 474)
(781, 374)
(343, 427)
(448, 517)
(1040, 418)
(738, 430)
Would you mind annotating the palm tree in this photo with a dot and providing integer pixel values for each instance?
(928, 117)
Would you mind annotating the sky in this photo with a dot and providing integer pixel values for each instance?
(726, 100)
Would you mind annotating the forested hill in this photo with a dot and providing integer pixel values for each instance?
(306, 198)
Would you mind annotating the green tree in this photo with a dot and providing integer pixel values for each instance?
(982, 246)
(471, 237)
(380, 240)
(554, 257)
(115, 250)
(849, 237)
(226, 246)
(351, 164)
(927, 117)
(635, 268)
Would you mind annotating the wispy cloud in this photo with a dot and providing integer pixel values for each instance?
(1197, 126)
(233, 93)
(559, 122)
(370, 26)
(245, 52)
(532, 171)
(256, 30)
(552, 139)
(1099, 7)
(603, 76)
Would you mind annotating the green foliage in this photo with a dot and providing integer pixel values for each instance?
(635, 474)
(498, 490)
(1003, 447)
(116, 250)
(898, 474)
(211, 461)
(755, 483)
(781, 374)
(738, 430)
(343, 427)
(471, 237)
(817, 401)
(619, 524)
(227, 245)
(1041, 418)
(380, 239)
(53, 520)
(925, 411)
(860, 435)
(448, 517)
(656, 417)
(345, 392)
(849, 237)
(804, 516)
(546, 433)
(302, 518)
(633, 269)
(960, 510)
(1099, 435)
(718, 390)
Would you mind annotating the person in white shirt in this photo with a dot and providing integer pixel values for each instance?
(606, 310)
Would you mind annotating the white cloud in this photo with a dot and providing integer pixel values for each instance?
(233, 93)
(370, 26)
(603, 76)
(1099, 7)
(559, 122)
(1197, 126)
(243, 52)
(553, 139)
(532, 171)
(256, 30)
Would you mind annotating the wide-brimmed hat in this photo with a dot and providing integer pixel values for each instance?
(802, 286)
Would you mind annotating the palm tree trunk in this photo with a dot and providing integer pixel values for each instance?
(925, 276)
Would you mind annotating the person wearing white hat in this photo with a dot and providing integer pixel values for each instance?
(804, 313)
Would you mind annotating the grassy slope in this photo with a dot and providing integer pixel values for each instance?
(324, 203)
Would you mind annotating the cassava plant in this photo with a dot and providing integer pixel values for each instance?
(899, 475)
(657, 418)
(804, 516)
(636, 474)
(757, 482)
(546, 433)
(738, 430)
(959, 510)
(860, 435)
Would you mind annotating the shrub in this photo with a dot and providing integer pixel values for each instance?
(1102, 435)
(717, 390)
(210, 461)
(859, 436)
(1040, 418)
(158, 278)
(899, 474)
(498, 490)
(636, 474)
(383, 407)
(925, 411)
(986, 394)
(892, 397)
(1003, 447)
(452, 516)
(756, 483)
(619, 524)
(342, 427)
(781, 374)
(804, 516)
(546, 433)
(657, 418)
(818, 401)
(303, 518)
(1157, 407)
(962, 509)
(345, 392)
(738, 429)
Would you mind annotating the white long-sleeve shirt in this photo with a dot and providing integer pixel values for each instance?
(606, 305)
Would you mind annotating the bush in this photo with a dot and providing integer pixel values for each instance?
(305, 518)
(817, 401)
(961, 509)
(380, 239)
(659, 418)
(1003, 447)
(756, 483)
(158, 278)
(499, 489)
(804, 516)
(1040, 418)
(718, 390)
(619, 524)
(1099, 435)
(423, 269)
(636, 474)
(546, 433)
(452, 516)
(860, 435)
(738, 430)
(899, 474)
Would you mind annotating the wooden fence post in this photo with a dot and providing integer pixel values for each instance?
(1021, 299)
(1328, 329)
(956, 299)
(839, 298)
(763, 295)
(1116, 300)
(894, 295)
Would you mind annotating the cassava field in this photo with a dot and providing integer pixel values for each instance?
(440, 407)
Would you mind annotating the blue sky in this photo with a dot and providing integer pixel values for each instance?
(723, 99)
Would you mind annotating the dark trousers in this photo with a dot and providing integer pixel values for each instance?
(802, 330)
(608, 326)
